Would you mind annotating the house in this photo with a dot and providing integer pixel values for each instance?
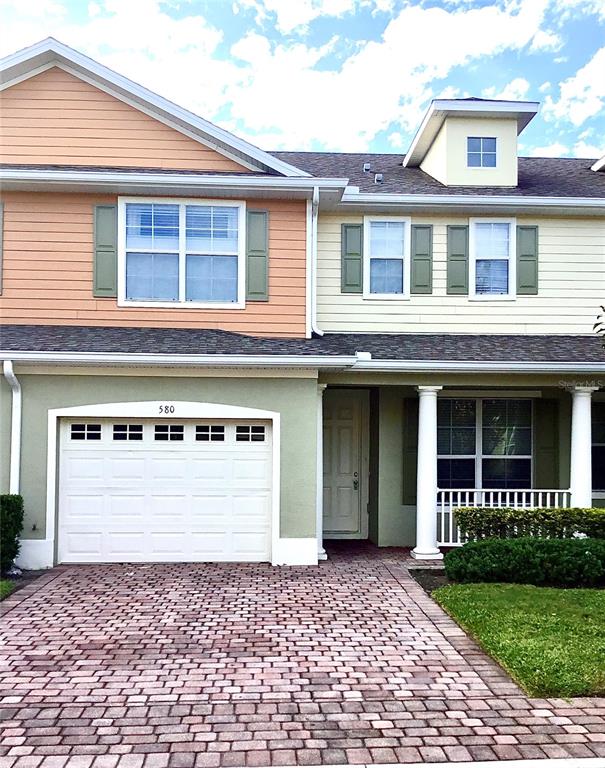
(216, 353)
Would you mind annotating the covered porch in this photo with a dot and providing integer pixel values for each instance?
(399, 457)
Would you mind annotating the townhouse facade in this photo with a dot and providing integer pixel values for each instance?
(216, 353)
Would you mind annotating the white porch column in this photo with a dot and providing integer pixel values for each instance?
(581, 447)
(319, 501)
(426, 488)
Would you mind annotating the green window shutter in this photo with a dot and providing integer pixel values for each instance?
(257, 256)
(105, 273)
(457, 259)
(546, 443)
(351, 276)
(1, 242)
(422, 259)
(527, 261)
(410, 449)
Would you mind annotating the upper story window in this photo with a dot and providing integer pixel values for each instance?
(481, 152)
(387, 257)
(492, 258)
(181, 252)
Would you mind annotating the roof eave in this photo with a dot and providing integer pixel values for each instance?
(371, 200)
(360, 362)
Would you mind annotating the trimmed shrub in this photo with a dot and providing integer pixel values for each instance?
(490, 522)
(11, 525)
(542, 562)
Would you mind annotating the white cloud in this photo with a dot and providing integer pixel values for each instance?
(516, 90)
(546, 41)
(545, 87)
(291, 94)
(395, 139)
(293, 15)
(383, 86)
(551, 150)
(581, 96)
(569, 9)
(591, 151)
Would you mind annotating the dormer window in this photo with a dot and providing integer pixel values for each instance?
(481, 152)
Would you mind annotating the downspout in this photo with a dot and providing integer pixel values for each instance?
(15, 457)
(314, 217)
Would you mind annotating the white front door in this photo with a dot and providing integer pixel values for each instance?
(154, 491)
(345, 470)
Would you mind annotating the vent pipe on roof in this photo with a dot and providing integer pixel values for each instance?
(367, 167)
(378, 178)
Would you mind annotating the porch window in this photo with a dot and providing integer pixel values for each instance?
(484, 443)
(387, 260)
(598, 446)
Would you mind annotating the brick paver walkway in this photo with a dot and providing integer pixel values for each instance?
(249, 665)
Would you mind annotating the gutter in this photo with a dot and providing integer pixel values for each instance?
(185, 361)
(359, 362)
(135, 179)
(464, 366)
(381, 198)
(314, 263)
(15, 455)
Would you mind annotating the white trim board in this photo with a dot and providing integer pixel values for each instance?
(40, 553)
(50, 52)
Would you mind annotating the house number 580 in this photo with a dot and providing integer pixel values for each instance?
(166, 408)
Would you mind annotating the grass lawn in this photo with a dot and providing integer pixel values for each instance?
(6, 587)
(551, 641)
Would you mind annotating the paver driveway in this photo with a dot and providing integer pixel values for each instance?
(212, 665)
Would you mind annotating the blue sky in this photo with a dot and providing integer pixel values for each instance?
(344, 75)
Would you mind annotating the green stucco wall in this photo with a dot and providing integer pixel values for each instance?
(396, 521)
(294, 399)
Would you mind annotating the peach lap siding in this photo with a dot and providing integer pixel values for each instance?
(55, 118)
(48, 271)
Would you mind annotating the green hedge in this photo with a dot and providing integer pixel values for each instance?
(489, 522)
(552, 562)
(11, 525)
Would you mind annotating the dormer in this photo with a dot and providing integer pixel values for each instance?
(471, 142)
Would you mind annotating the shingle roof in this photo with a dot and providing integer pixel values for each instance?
(539, 176)
(409, 347)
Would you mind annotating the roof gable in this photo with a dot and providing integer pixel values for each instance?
(49, 53)
(55, 118)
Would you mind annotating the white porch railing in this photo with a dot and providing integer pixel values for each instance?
(449, 500)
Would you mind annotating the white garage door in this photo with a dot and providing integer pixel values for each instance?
(156, 491)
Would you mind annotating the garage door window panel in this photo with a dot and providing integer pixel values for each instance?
(128, 432)
(169, 432)
(85, 431)
(206, 433)
(249, 434)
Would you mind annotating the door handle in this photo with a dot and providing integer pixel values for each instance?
(355, 485)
